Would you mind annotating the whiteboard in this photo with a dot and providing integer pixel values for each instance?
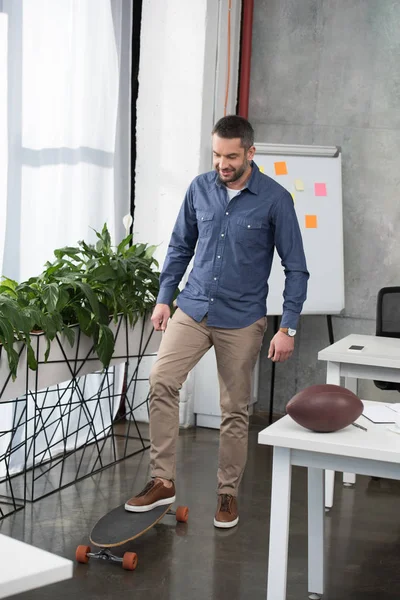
(319, 211)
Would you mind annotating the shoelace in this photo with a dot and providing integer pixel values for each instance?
(226, 501)
(146, 489)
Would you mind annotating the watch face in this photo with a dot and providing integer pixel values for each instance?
(291, 332)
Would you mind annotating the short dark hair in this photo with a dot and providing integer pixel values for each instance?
(233, 126)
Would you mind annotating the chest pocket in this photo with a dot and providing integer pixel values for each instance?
(250, 232)
(205, 223)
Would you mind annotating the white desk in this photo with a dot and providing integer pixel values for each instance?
(24, 567)
(380, 360)
(375, 452)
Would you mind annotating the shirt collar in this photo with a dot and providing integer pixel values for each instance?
(252, 184)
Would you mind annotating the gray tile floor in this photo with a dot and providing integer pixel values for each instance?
(198, 562)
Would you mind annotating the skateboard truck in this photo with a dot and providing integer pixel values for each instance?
(128, 560)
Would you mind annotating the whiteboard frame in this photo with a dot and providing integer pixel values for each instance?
(311, 151)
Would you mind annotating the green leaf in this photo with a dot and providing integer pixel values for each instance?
(7, 330)
(11, 311)
(66, 251)
(70, 335)
(106, 236)
(123, 243)
(10, 283)
(32, 362)
(47, 353)
(7, 290)
(150, 251)
(105, 344)
(49, 327)
(84, 318)
(34, 316)
(63, 299)
(51, 294)
(91, 297)
(104, 314)
(12, 359)
(103, 273)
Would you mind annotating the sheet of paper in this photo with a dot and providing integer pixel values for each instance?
(311, 222)
(320, 189)
(280, 168)
(380, 413)
(299, 185)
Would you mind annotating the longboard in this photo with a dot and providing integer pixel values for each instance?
(119, 527)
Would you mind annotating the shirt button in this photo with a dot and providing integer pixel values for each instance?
(215, 279)
(222, 235)
(212, 299)
(227, 213)
(249, 226)
(219, 256)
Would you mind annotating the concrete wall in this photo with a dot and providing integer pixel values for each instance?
(328, 72)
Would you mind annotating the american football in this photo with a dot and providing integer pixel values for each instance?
(325, 408)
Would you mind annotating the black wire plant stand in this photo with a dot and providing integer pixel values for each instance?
(75, 427)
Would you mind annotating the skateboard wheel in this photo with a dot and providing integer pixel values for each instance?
(81, 554)
(129, 561)
(182, 514)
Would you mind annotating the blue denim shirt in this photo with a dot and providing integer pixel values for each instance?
(235, 247)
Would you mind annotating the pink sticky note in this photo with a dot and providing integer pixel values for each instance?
(320, 189)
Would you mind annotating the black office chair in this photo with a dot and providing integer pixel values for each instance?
(388, 323)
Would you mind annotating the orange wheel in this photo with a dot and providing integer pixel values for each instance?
(81, 554)
(182, 514)
(129, 561)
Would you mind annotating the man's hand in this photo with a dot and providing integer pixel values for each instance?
(160, 317)
(281, 347)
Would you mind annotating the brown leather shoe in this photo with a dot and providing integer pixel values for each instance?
(227, 511)
(154, 494)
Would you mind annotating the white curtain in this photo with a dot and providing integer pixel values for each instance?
(68, 120)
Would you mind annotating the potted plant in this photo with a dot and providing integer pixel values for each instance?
(83, 298)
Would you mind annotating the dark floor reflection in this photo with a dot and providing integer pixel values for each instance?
(195, 561)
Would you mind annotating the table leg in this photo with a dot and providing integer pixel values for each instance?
(351, 383)
(329, 488)
(279, 524)
(316, 515)
(333, 377)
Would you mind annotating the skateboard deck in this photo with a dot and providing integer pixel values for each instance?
(120, 526)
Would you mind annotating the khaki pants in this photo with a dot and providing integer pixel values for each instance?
(183, 344)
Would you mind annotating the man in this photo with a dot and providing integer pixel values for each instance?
(236, 216)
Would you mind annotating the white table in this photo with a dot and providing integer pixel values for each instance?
(375, 452)
(24, 567)
(379, 360)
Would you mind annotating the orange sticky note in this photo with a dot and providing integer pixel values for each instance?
(320, 189)
(311, 222)
(261, 169)
(280, 168)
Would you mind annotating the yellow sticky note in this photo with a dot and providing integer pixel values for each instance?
(261, 169)
(299, 185)
(280, 168)
(294, 197)
(311, 222)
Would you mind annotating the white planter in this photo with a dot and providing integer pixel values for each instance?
(66, 362)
